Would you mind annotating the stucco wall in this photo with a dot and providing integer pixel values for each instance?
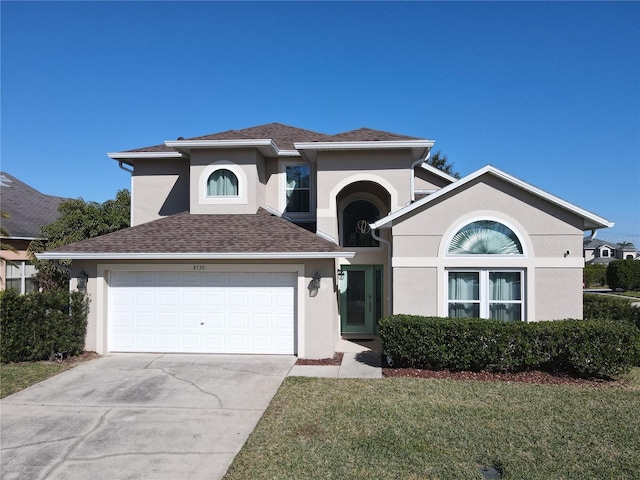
(316, 315)
(158, 189)
(553, 281)
(247, 164)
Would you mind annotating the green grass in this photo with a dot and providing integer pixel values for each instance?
(18, 376)
(443, 429)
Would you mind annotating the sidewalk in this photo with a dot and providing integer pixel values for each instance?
(361, 360)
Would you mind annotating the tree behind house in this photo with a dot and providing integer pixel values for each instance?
(78, 220)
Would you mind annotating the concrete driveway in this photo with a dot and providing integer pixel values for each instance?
(138, 416)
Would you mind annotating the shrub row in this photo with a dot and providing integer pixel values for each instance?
(609, 307)
(624, 274)
(39, 325)
(594, 275)
(579, 347)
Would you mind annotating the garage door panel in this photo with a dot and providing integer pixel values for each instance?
(216, 312)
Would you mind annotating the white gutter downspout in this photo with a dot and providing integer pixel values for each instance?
(122, 167)
(413, 174)
(389, 271)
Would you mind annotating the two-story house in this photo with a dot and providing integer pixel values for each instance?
(275, 239)
(602, 251)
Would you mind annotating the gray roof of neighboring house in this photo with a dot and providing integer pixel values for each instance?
(186, 233)
(284, 136)
(28, 209)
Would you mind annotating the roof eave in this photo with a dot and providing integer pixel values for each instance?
(418, 148)
(591, 220)
(266, 146)
(192, 256)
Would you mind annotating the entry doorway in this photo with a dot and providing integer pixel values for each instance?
(361, 299)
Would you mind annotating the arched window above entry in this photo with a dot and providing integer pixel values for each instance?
(356, 218)
(222, 183)
(485, 237)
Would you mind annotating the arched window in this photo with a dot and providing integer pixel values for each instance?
(485, 237)
(222, 183)
(356, 218)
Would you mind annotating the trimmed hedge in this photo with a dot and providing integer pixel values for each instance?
(594, 275)
(579, 347)
(610, 307)
(39, 325)
(624, 274)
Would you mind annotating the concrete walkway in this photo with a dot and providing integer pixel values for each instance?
(361, 360)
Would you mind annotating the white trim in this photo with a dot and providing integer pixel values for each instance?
(437, 172)
(266, 146)
(192, 256)
(365, 145)
(134, 155)
(466, 220)
(591, 220)
(240, 199)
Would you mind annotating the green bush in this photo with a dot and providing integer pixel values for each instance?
(610, 307)
(594, 275)
(39, 325)
(593, 348)
(624, 274)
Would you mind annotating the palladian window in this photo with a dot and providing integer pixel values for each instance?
(222, 183)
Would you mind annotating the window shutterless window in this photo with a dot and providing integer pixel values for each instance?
(298, 189)
(18, 276)
(486, 293)
(222, 183)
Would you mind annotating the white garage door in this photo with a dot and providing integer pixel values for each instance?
(202, 312)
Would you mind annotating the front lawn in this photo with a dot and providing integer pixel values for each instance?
(427, 429)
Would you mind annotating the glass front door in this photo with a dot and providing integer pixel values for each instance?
(361, 298)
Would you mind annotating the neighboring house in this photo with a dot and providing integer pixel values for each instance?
(275, 239)
(602, 251)
(28, 211)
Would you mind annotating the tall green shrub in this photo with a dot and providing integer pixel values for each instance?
(39, 325)
(610, 307)
(594, 275)
(624, 274)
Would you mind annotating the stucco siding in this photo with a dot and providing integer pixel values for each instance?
(158, 189)
(316, 315)
(244, 163)
(558, 293)
(415, 291)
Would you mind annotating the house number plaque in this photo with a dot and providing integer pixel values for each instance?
(198, 268)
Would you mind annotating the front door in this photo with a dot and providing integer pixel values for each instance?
(361, 298)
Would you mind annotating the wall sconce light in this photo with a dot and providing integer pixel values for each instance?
(82, 281)
(340, 274)
(316, 281)
(567, 253)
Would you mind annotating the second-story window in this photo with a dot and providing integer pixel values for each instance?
(222, 183)
(297, 189)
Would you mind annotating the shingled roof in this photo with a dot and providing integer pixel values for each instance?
(28, 209)
(284, 136)
(191, 235)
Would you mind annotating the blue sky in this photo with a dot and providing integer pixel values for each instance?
(548, 92)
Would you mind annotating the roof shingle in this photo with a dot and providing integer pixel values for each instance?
(184, 233)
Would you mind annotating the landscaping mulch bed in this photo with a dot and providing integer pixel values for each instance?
(521, 377)
(335, 360)
(82, 357)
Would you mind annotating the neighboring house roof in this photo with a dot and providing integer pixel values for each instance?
(28, 209)
(592, 243)
(185, 236)
(277, 139)
(591, 220)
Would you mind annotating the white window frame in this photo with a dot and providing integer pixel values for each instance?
(283, 190)
(21, 264)
(203, 184)
(483, 279)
